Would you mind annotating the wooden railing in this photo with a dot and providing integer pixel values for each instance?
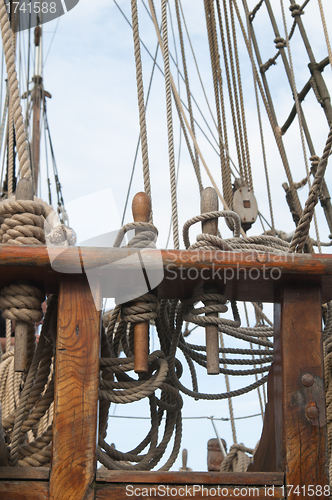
(292, 452)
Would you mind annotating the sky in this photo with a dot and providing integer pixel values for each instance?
(93, 117)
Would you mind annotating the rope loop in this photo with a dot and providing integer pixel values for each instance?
(212, 215)
(193, 315)
(21, 302)
(146, 238)
(143, 309)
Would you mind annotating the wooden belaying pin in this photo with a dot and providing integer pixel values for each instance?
(209, 203)
(141, 208)
(24, 191)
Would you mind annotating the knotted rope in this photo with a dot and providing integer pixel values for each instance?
(237, 459)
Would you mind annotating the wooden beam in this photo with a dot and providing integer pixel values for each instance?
(35, 473)
(251, 276)
(299, 396)
(155, 477)
(76, 391)
(24, 490)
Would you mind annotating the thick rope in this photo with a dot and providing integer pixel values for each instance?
(302, 230)
(168, 89)
(21, 141)
(140, 96)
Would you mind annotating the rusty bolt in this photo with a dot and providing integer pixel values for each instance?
(312, 411)
(307, 380)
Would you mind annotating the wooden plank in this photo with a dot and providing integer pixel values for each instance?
(40, 473)
(230, 272)
(32, 490)
(76, 391)
(205, 492)
(302, 452)
(254, 478)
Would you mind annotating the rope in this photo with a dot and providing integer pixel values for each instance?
(140, 96)
(219, 101)
(11, 136)
(170, 124)
(326, 34)
(237, 459)
(302, 230)
(269, 114)
(298, 109)
(185, 71)
(21, 140)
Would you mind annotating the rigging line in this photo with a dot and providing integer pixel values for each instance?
(299, 115)
(180, 138)
(219, 100)
(232, 89)
(47, 166)
(269, 110)
(51, 42)
(327, 39)
(225, 146)
(141, 104)
(176, 96)
(193, 98)
(228, 389)
(185, 70)
(139, 137)
(253, 357)
(222, 419)
(246, 152)
(168, 90)
(262, 138)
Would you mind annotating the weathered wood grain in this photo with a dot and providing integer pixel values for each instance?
(232, 478)
(36, 473)
(76, 391)
(176, 492)
(299, 389)
(24, 490)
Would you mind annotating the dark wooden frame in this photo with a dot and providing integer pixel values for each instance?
(294, 432)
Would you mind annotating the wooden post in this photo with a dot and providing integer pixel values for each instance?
(141, 208)
(24, 191)
(299, 397)
(209, 203)
(76, 392)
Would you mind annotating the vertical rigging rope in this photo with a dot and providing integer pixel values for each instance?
(274, 127)
(246, 153)
(11, 130)
(168, 90)
(21, 139)
(299, 115)
(140, 96)
(327, 39)
(192, 123)
(216, 74)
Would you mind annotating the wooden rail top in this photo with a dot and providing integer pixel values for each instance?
(171, 273)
